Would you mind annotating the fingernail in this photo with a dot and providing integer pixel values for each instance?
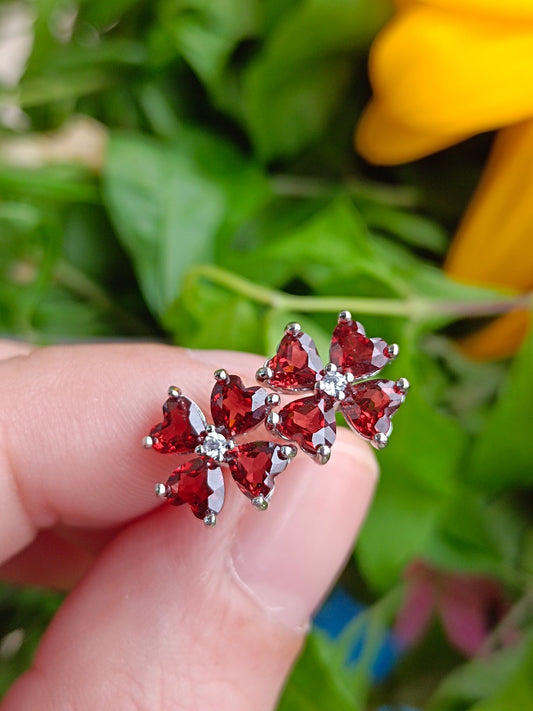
(288, 557)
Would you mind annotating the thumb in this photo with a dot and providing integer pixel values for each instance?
(174, 615)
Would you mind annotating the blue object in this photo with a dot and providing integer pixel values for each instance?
(333, 618)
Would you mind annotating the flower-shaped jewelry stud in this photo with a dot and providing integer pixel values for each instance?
(367, 405)
(199, 480)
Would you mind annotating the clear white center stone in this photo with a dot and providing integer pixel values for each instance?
(215, 446)
(333, 384)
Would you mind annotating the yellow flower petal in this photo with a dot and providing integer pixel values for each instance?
(383, 140)
(517, 9)
(500, 339)
(494, 243)
(445, 74)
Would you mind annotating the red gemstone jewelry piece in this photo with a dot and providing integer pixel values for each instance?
(199, 481)
(183, 426)
(310, 422)
(295, 365)
(238, 409)
(367, 405)
(353, 352)
(254, 466)
(199, 484)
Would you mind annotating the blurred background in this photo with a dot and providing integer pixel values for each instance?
(185, 170)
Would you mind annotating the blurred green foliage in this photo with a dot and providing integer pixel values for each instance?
(228, 201)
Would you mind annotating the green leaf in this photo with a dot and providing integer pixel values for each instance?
(207, 316)
(297, 82)
(331, 246)
(501, 682)
(171, 202)
(316, 682)
(415, 230)
(502, 455)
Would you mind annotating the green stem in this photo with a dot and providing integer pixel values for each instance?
(309, 187)
(414, 308)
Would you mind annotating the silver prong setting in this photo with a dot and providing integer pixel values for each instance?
(263, 374)
(273, 399)
(148, 442)
(323, 453)
(199, 449)
(345, 317)
(350, 377)
(330, 368)
(210, 519)
(162, 491)
(293, 328)
(392, 351)
(174, 391)
(402, 386)
(221, 375)
(287, 451)
(260, 503)
(380, 440)
(272, 421)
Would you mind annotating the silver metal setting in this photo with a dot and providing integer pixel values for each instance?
(402, 386)
(380, 440)
(210, 519)
(174, 391)
(210, 428)
(392, 351)
(323, 453)
(350, 377)
(344, 317)
(287, 451)
(221, 376)
(199, 449)
(272, 421)
(148, 442)
(264, 373)
(273, 399)
(260, 503)
(162, 490)
(293, 327)
(330, 368)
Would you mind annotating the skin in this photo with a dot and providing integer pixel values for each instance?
(163, 613)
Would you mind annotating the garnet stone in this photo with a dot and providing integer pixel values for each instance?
(369, 406)
(235, 408)
(253, 467)
(309, 421)
(352, 351)
(296, 363)
(199, 484)
(182, 428)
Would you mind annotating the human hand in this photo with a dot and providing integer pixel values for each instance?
(164, 613)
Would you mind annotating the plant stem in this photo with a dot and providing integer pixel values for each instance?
(414, 308)
(305, 187)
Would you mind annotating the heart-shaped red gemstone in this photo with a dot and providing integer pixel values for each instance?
(352, 351)
(238, 409)
(254, 466)
(296, 363)
(309, 421)
(182, 429)
(369, 406)
(199, 484)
